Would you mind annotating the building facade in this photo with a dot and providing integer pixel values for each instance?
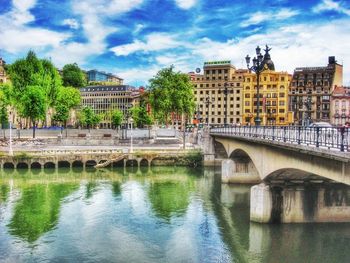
(103, 77)
(340, 106)
(273, 93)
(218, 93)
(310, 92)
(3, 76)
(104, 99)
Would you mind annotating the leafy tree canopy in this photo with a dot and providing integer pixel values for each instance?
(33, 104)
(171, 92)
(140, 116)
(117, 118)
(31, 71)
(73, 76)
(89, 118)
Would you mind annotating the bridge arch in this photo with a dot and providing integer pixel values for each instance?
(63, 164)
(270, 159)
(91, 163)
(22, 165)
(35, 165)
(49, 165)
(9, 165)
(220, 150)
(77, 163)
(144, 162)
(293, 175)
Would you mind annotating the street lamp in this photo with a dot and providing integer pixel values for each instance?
(257, 67)
(207, 104)
(225, 93)
(131, 148)
(307, 116)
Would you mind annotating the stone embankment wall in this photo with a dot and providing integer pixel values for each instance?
(84, 158)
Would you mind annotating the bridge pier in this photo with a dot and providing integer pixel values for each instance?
(300, 203)
(238, 172)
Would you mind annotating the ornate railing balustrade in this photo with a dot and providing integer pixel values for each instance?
(334, 138)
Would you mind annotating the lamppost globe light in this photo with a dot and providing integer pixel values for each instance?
(258, 50)
(257, 67)
(247, 60)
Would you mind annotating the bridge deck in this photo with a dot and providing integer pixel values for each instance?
(326, 142)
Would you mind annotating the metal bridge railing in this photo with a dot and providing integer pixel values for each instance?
(334, 138)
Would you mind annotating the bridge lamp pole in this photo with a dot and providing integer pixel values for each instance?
(257, 67)
(225, 93)
(131, 146)
(207, 104)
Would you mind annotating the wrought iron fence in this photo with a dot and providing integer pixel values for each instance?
(335, 138)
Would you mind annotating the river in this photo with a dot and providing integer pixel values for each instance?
(162, 214)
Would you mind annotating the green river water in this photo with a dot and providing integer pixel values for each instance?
(162, 214)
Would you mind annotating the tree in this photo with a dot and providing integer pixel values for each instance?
(117, 118)
(32, 71)
(140, 116)
(5, 101)
(67, 99)
(89, 118)
(171, 92)
(33, 104)
(73, 76)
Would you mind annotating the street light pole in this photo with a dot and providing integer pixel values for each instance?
(207, 104)
(257, 67)
(225, 93)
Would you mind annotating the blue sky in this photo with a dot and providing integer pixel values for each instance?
(135, 38)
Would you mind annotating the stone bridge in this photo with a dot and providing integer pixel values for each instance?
(298, 182)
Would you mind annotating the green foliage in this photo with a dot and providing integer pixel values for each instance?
(140, 116)
(73, 76)
(37, 211)
(171, 92)
(33, 72)
(171, 198)
(117, 118)
(33, 104)
(89, 118)
(3, 108)
(67, 98)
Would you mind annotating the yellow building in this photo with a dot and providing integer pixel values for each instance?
(273, 96)
(220, 80)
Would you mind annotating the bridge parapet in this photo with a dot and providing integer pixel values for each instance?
(337, 139)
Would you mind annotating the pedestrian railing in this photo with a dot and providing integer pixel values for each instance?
(334, 138)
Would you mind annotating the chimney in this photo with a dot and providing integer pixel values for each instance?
(331, 60)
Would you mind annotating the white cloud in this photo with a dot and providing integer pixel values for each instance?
(292, 46)
(17, 37)
(71, 22)
(153, 42)
(93, 13)
(185, 4)
(330, 5)
(138, 76)
(260, 17)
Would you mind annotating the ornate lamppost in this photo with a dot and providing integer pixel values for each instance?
(225, 93)
(257, 67)
(208, 101)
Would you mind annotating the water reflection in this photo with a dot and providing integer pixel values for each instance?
(37, 210)
(158, 214)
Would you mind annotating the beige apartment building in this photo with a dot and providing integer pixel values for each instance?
(310, 92)
(220, 81)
